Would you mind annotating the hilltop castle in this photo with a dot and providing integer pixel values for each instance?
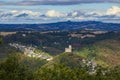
(69, 49)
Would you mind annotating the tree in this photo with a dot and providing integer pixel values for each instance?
(0, 40)
(12, 69)
(113, 74)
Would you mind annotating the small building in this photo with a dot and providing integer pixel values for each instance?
(69, 49)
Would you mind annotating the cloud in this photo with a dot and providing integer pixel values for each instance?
(16, 15)
(26, 13)
(52, 15)
(82, 15)
(22, 15)
(55, 2)
(113, 11)
(112, 14)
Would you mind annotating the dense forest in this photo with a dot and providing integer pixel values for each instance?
(12, 68)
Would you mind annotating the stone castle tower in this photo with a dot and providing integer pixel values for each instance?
(69, 49)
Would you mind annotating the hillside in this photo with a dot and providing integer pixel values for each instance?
(105, 53)
(102, 47)
(95, 55)
(54, 42)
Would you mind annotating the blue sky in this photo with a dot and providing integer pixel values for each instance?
(45, 11)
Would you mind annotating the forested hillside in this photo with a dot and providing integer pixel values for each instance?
(93, 58)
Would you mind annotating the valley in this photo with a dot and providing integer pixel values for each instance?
(59, 39)
(93, 45)
(44, 52)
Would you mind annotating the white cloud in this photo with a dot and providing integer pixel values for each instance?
(80, 18)
(113, 11)
(53, 13)
(19, 14)
(110, 14)
(75, 13)
(28, 12)
(95, 13)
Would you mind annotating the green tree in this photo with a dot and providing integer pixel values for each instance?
(62, 72)
(12, 69)
(113, 74)
(57, 72)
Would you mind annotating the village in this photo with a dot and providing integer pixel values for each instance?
(30, 51)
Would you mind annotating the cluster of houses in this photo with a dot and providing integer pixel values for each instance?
(30, 51)
(91, 65)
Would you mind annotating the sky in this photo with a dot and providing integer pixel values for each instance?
(48, 11)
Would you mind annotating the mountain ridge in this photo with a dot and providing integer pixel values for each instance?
(65, 25)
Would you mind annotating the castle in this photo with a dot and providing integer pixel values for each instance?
(69, 49)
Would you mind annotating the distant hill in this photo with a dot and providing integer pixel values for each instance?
(68, 25)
